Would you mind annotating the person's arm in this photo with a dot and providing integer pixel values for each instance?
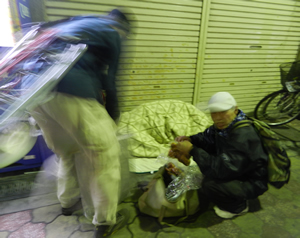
(181, 150)
(230, 164)
(204, 140)
(109, 82)
(233, 162)
(112, 105)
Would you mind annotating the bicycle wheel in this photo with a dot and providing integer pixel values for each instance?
(278, 108)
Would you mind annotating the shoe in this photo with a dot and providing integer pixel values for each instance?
(69, 211)
(229, 215)
(107, 231)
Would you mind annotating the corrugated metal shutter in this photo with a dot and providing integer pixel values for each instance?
(246, 41)
(159, 61)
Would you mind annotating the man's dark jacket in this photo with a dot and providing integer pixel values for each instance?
(239, 156)
(95, 71)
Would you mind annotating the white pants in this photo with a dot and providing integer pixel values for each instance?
(82, 134)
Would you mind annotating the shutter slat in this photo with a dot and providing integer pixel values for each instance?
(156, 71)
(157, 60)
(157, 66)
(156, 76)
(158, 55)
(154, 82)
(87, 4)
(155, 92)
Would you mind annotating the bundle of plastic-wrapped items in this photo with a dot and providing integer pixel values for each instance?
(28, 74)
(179, 178)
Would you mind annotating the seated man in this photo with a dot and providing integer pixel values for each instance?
(232, 161)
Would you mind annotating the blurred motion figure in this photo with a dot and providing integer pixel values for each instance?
(77, 126)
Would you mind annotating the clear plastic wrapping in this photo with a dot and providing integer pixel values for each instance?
(183, 178)
(32, 69)
(190, 179)
(163, 159)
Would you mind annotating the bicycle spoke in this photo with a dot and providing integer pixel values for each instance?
(278, 108)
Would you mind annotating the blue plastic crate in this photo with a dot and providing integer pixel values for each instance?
(44, 150)
(33, 159)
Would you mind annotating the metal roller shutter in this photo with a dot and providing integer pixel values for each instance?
(245, 43)
(159, 60)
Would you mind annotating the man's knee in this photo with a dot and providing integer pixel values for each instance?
(212, 188)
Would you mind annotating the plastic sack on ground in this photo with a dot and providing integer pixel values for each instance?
(190, 179)
(180, 178)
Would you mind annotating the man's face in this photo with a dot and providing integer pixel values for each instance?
(223, 119)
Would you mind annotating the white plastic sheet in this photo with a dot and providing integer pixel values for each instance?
(30, 70)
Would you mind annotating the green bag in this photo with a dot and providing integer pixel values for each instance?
(278, 163)
(154, 203)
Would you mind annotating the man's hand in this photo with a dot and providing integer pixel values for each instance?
(185, 159)
(181, 151)
(183, 147)
(182, 138)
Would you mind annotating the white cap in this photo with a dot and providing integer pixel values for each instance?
(221, 101)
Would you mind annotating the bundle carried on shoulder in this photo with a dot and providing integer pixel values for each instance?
(278, 161)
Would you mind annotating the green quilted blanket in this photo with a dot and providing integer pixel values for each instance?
(154, 125)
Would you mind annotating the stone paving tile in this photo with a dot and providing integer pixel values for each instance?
(144, 226)
(295, 164)
(85, 224)
(288, 210)
(205, 220)
(246, 235)
(267, 199)
(294, 186)
(124, 233)
(225, 229)
(249, 224)
(274, 231)
(163, 234)
(296, 200)
(46, 214)
(80, 234)
(196, 233)
(281, 194)
(269, 215)
(295, 175)
(62, 226)
(292, 226)
(14, 221)
(27, 203)
(131, 208)
(30, 230)
(171, 231)
(4, 234)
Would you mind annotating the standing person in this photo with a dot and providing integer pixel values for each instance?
(233, 162)
(80, 130)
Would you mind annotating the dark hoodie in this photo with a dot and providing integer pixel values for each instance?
(96, 69)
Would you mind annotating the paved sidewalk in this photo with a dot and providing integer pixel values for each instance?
(38, 216)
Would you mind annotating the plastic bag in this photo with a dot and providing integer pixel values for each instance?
(31, 70)
(163, 159)
(190, 179)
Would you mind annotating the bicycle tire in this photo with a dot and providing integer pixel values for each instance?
(278, 108)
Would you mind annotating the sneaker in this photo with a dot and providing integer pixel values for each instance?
(69, 211)
(107, 231)
(229, 215)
